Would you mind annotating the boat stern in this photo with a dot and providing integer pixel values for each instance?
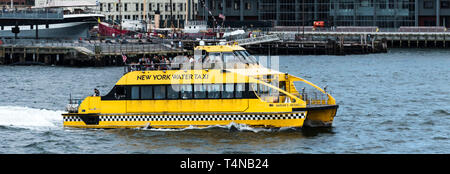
(320, 116)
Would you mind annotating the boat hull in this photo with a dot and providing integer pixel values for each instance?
(183, 120)
(71, 30)
(321, 116)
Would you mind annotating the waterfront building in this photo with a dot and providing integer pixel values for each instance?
(145, 10)
(381, 13)
(16, 3)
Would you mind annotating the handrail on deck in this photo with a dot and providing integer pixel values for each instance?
(180, 66)
(314, 97)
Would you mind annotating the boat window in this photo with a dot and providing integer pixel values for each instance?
(213, 58)
(240, 57)
(199, 91)
(214, 90)
(263, 89)
(146, 92)
(239, 90)
(282, 85)
(135, 92)
(249, 56)
(120, 92)
(204, 56)
(173, 91)
(253, 87)
(245, 56)
(229, 57)
(228, 92)
(160, 92)
(186, 91)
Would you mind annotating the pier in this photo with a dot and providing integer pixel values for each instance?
(76, 53)
(402, 38)
(295, 44)
(339, 42)
(275, 42)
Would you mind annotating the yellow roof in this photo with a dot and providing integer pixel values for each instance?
(220, 48)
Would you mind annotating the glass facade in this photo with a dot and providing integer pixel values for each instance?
(381, 13)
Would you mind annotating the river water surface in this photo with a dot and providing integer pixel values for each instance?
(398, 102)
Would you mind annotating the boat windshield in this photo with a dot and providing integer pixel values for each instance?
(245, 57)
(229, 57)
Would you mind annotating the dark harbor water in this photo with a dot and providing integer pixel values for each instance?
(397, 102)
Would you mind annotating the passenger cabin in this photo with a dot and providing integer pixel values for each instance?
(223, 79)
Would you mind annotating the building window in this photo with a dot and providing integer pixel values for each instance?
(228, 3)
(383, 4)
(181, 6)
(220, 6)
(248, 6)
(445, 4)
(391, 4)
(212, 5)
(428, 4)
(236, 5)
(405, 4)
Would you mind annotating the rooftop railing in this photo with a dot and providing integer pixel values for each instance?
(32, 14)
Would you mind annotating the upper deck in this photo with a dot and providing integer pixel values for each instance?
(205, 57)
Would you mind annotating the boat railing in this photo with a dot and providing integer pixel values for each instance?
(47, 14)
(73, 105)
(314, 97)
(180, 66)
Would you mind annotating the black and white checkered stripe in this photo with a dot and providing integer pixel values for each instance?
(71, 118)
(195, 117)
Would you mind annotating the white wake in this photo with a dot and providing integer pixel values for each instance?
(25, 117)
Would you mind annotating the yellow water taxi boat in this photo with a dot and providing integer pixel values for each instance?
(221, 85)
